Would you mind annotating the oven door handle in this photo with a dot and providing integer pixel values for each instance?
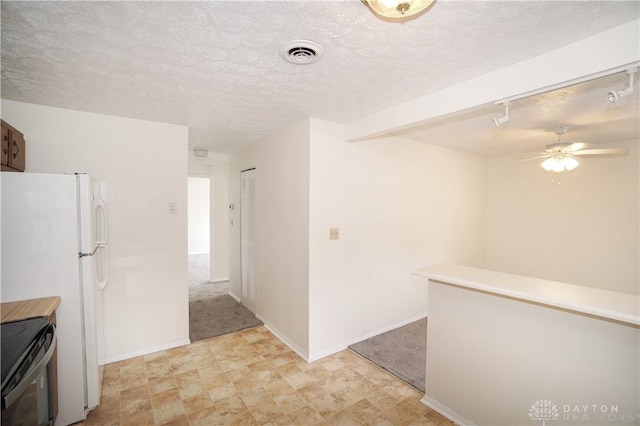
(13, 396)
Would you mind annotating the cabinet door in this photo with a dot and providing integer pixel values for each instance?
(16, 150)
(5, 145)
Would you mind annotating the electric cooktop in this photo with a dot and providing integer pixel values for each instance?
(16, 338)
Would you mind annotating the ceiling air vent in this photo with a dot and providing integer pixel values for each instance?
(300, 52)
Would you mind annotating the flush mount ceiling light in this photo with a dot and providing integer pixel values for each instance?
(200, 153)
(498, 121)
(301, 52)
(397, 9)
(613, 96)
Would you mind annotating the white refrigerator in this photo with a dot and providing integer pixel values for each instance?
(54, 243)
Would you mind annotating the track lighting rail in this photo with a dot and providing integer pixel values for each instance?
(562, 85)
(631, 69)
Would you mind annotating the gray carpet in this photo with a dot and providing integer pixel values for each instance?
(208, 290)
(199, 285)
(217, 316)
(212, 312)
(402, 352)
(199, 269)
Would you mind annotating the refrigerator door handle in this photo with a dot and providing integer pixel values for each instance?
(103, 258)
(98, 245)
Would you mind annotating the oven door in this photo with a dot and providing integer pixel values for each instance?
(31, 400)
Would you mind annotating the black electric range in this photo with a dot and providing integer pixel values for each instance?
(22, 348)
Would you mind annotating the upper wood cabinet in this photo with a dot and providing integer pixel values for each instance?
(13, 149)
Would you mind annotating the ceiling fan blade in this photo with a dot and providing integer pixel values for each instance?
(602, 151)
(531, 156)
(575, 146)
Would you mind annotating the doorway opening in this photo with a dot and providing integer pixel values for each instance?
(213, 309)
(200, 249)
(199, 244)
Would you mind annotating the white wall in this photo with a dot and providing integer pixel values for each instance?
(220, 222)
(491, 358)
(282, 231)
(582, 228)
(400, 205)
(144, 166)
(198, 217)
(216, 166)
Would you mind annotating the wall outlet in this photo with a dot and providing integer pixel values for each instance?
(173, 208)
(334, 233)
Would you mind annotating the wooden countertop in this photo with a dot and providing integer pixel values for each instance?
(594, 301)
(23, 309)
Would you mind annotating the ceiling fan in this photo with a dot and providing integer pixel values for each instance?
(561, 156)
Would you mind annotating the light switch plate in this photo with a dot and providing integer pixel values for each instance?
(334, 233)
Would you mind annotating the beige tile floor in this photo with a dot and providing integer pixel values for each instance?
(252, 378)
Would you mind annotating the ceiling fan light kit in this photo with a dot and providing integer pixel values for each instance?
(560, 163)
(561, 156)
(613, 96)
(397, 9)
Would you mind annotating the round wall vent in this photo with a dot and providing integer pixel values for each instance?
(301, 52)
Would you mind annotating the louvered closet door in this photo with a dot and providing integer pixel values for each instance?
(248, 237)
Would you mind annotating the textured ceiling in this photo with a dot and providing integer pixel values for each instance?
(214, 66)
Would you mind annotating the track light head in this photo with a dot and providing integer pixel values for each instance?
(498, 121)
(613, 96)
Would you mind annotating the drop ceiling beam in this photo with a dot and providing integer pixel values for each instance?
(593, 56)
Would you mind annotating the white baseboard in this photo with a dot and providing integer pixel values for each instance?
(326, 352)
(147, 351)
(220, 280)
(236, 298)
(284, 339)
(389, 328)
(342, 346)
(198, 252)
(446, 411)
